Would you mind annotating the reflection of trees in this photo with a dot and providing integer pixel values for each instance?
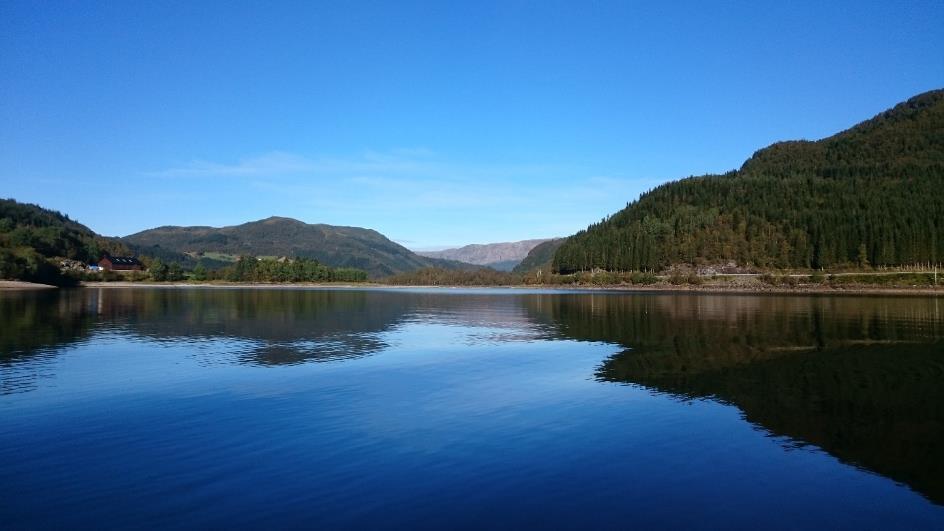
(859, 377)
(38, 320)
(271, 327)
(267, 326)
(33, 326)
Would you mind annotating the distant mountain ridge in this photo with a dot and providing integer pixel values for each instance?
(502, 256)
(336, 246)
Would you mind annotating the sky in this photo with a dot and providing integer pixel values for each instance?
(436, 123)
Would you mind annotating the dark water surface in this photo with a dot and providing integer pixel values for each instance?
(230, 408)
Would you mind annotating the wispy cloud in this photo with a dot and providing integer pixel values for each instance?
(366, 166)
(273, 163)
(417, 191)
(281, 163)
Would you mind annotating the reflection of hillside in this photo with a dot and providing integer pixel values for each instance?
(718, 330)
(266, 326)
(859, 377)
(272, 327)
(878, 406)
(494, 318)
(862, 378)
(33, 325)
(39, 320)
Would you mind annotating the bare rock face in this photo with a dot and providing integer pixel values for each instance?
(66, 265)
(502, 256)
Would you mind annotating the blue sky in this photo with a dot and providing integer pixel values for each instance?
(439, 123)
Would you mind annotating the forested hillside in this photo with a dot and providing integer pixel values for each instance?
(32, 237)
(345, 247)
(873, 194)
(540, 257)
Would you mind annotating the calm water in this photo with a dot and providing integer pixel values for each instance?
(468, 409)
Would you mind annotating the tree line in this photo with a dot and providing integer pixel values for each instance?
(31, 238)
(252, 269)
(872, 195)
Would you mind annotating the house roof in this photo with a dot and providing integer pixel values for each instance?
(122, 260)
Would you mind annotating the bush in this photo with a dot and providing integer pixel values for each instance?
(200, 273)
(435, 276)
(175, 273)
(678, 278)
(158, 271)
(643, 277)
(26, 264)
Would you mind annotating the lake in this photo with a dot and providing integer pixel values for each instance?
(316, 408)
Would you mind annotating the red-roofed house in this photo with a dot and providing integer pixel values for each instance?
(120, 263)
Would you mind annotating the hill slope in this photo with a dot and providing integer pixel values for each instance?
(335, 246)
(873, 194)
(32, 238)
(501, 256)
(541, 257)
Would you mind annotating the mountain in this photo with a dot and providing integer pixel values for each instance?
(33, 238)
(873, 194)
(541, 257)
(350, 247)
(501, 256)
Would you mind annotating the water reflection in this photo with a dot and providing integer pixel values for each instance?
(271, 327)
(267, 326)
(862, 378)
(34, 326)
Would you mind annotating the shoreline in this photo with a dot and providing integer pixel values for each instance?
(20, 285)
(740, 288)
(734, 289)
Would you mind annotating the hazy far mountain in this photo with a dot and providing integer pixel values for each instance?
(501, 256)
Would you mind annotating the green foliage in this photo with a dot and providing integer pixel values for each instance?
(159, 271)
(540, 257)
(863, 256)
(174, 272)
(32, 238)
(599, 278)
(24, 263)
(678, 278)
(437, 276)
(136, 276)
(871, 195)
(200, 273)
(342, 247)
(51, 234)
(251, 269)
(902, 280)
(643, 277)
